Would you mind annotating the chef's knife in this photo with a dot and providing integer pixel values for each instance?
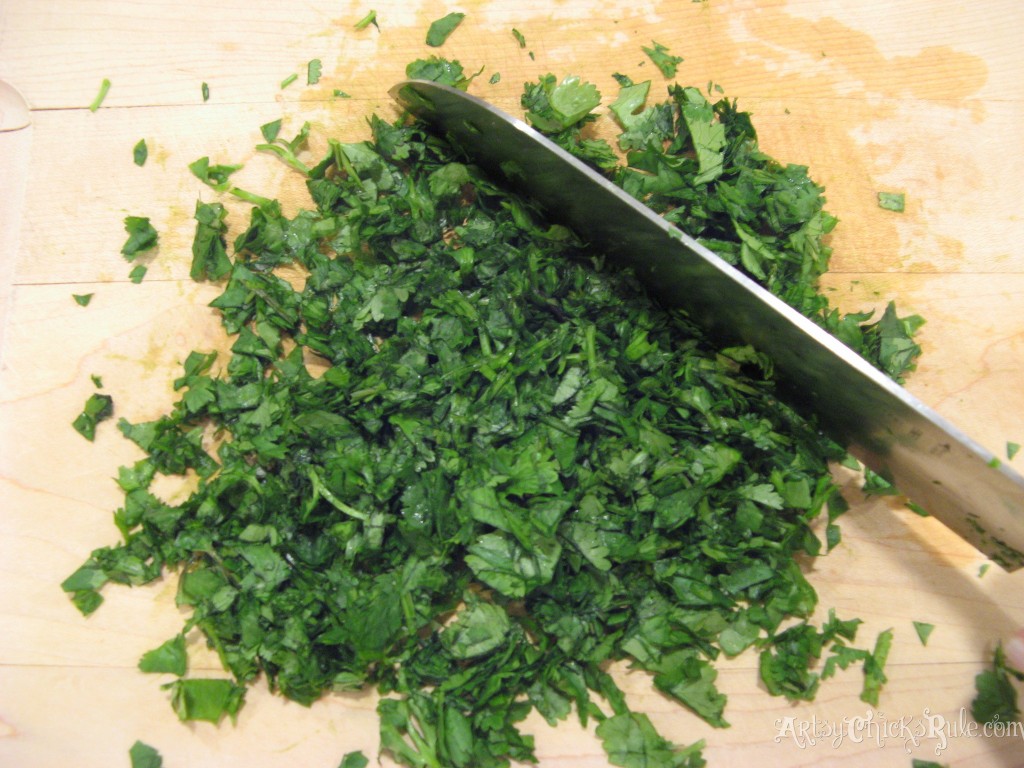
(893, 433)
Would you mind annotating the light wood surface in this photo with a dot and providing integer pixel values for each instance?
(920, 96)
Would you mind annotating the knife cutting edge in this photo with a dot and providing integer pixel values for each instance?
(890, 431)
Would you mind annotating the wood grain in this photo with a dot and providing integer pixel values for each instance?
(919, 96)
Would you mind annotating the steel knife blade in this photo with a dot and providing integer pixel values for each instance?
(889, 430)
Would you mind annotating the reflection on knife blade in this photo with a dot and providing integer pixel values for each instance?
(888, 429)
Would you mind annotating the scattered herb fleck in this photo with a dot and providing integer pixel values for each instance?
(205, 699)
(520, 38)
(96, 381)
(892, 201)
(1011, 450)
(874, 669)
(82, 299)
(996, 696)
(924, 631)
(215, 176)
(205, 90)
(144, 756)
(289, 80)
(662, 59)
(142, 237)
(100, 96)
(140, 152)
(97, 408)
(983, 569)
(339, 94)
(441, 29)
(168, 658)
(495, 78)
(137, 273)
(367, 20)
(313, 70)
(354, 760)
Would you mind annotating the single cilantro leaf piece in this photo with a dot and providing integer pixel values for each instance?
(632, 742)
(554, 105)
(892, 201)
(206, 699)
(354, 760)
(82, 299)
(144, 756)
(477, 630)
(874, 668)
(442, 28)
(137, 273)
(140, 152)
(96, 381)
(170, 657)
(97, 408)
(662, 59)
(439, 70)
(924, 631)
(1011, 450)
(205, 91)
(100, 96)
(215, 176)
(916, 763)
(495, 78)
(996, 697)
(289, 80)
(313, 70)
(520, 38)
(367, 20)
(142, 237)
(209, 252)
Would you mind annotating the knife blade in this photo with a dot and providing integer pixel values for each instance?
(930, 461)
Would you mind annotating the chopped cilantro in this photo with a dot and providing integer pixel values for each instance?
(367, 20)
(137, 273)
(1011, 450)
(924, 631)
(874, 668)
(495, 78)
(96, 381)
(520, 38)
(996, 697)
(205, 90)
(144, 756)
(215, 176)
(354, 760)
(313, 71)
(142, 237)
(892, 201)
(100, 96)
(983, 569)
(497, 486)
(205, 699)
(339, 94)
(140, 152)
(97, 408)
(662, 59)
(289, 80)
(441, 29)
(82, 299)
(168, 658)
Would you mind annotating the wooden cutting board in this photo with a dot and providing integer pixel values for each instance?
(923, 97)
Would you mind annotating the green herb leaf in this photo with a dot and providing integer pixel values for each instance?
(100, 96)
(662, 59)
(82, 299)
(442, 28)
(520, 38)
(205, 90)
(140, 153)
(313, 71)
(996, 697)
(354, 760)
(892, 201)
(924, 630)
(142, 237)
(144, 756)
(289, 80)
(137, 273)
(205, 699)
(367, 20)
(170, 657)
(874, 668)
(97, 408)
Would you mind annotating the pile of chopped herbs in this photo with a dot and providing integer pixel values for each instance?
(468, 462)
